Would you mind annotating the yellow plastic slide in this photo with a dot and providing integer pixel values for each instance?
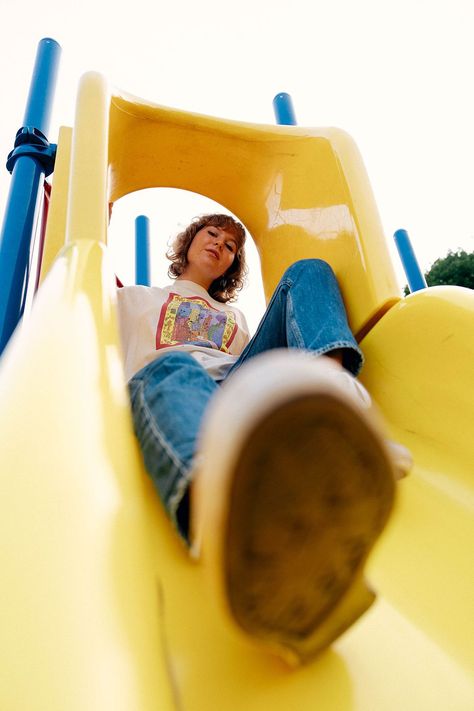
(101, 608)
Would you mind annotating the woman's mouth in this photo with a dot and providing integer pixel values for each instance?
(214, 252)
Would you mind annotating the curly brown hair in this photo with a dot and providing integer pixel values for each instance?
(223, 289)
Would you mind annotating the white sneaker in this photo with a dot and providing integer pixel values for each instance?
(297, 485)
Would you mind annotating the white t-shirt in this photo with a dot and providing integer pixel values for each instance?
(181, 316)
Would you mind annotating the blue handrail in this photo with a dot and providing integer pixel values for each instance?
(284, 111)
(31, 159)
(142, 250)
(415, 277)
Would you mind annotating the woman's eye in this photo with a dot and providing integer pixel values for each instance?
(213, 234)
(229, 247)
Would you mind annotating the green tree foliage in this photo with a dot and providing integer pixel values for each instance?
(457, 269)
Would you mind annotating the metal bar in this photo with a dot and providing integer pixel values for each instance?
(25, 188)
(43, 83)
(415, 277)
(284, 111)
(142, 250)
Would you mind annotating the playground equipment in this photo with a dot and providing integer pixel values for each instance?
(142, 250)
(101, 606)
(31, 159)
(284, 110)
(416, 280)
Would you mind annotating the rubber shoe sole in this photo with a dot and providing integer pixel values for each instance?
(310, 493)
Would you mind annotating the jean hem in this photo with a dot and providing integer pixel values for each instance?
(180, 476)
(336, 345)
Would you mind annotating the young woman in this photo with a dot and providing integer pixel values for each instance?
(306, 478)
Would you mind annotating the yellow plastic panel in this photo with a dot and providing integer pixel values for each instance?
(79, 596)
(298, 190)
(100, 602)
(421, 372)
(87, 204)
(101, 606)
(56, 225)
(78, 207)
(428, 341)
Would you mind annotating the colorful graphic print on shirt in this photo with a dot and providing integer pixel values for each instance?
(192, 320)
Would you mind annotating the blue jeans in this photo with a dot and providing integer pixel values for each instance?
(170, 395)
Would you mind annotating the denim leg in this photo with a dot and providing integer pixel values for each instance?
(306, 311)
(168, 398)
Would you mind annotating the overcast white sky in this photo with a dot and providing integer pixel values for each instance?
(397, 75)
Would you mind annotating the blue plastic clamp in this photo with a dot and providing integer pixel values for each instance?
(29, 141)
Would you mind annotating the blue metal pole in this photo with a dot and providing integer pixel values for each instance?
(31, 159)
(415, 277)
(43, 83)
(284, 111)
(142, 250)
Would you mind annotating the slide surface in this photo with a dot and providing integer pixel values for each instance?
(101, 606)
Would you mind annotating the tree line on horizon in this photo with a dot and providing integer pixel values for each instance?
(455, 269)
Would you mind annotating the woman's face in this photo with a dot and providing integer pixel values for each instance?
(210, 255)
